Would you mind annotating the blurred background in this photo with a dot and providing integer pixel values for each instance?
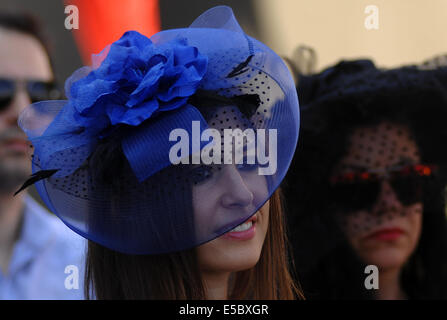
(309, 34)
(408, 31)
(104, 21)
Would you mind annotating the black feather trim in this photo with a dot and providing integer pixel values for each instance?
(40, 175)
(204, 99)
(247, 103)
(240, 68)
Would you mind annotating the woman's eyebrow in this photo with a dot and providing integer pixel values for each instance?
(403, 161)
(354, 167)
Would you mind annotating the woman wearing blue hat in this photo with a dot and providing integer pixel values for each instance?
(167, 156)
(366, 192)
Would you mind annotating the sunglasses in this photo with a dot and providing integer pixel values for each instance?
(355, 191)
(37, 91)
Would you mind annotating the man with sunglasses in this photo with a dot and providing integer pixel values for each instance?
(40, 258)
(367, 184)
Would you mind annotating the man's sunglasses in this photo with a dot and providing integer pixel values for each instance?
(355, 191)
(37, 91)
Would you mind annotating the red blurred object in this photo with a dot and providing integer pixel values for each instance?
(102, 22)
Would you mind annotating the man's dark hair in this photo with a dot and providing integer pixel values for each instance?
(28, 24)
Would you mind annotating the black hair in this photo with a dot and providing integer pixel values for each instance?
(327, 266)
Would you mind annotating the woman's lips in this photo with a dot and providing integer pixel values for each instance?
(17, 145)
(245, 234)
(387, 234)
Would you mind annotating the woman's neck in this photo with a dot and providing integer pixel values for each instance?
(389, 285)
(216, 285)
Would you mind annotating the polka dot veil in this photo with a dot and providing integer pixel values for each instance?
(186, 175)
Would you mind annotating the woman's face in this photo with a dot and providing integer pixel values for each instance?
(236, 250)
(229, 194)
(387, 233)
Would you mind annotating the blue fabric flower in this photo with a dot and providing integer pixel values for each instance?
(137, 80)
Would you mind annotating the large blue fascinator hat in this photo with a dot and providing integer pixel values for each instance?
(166, 143)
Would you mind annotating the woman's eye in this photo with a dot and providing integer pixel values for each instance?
(201, 174)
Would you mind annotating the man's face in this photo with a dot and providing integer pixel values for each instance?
(22, 58)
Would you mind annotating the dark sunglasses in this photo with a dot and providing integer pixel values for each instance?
(37, 91)
(355, 191)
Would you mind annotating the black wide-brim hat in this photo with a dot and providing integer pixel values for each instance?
(356, 78)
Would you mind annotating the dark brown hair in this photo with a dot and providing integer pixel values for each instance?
(114, 275)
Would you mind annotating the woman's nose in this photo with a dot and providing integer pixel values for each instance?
(236, 194)
(387, 200)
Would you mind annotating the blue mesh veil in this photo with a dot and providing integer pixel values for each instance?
(186, 167)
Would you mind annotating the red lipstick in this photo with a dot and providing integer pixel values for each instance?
(388, 234)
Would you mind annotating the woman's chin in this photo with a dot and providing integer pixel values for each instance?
(243, 261)
(386, 258)
(229, 255)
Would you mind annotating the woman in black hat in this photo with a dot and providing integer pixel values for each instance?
(367, 187)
